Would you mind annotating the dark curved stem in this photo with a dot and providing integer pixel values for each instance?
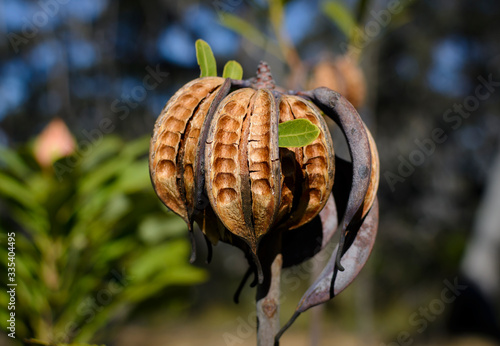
(347, 118)
(236, 297)
(193, 244)
(258, 265)
(209, 250)
(285, 328)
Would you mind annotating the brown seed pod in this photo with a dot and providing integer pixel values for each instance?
(249, 188)
(174, 156)
(215, 160)
(242, 166)
(175, 141)
(308, 171)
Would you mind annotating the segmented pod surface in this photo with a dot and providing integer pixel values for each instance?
(242, 165)
(308, 172)
(174, 141)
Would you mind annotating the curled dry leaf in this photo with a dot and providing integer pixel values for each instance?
(331, 281)
(343, 113)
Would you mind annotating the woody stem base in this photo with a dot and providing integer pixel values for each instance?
(268, 317)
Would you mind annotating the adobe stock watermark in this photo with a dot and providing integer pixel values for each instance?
(373, 28)
(454, 116)
(47, 9)
(429, 312)
(91, 306)
(121, 107)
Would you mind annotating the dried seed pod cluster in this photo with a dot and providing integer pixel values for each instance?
(232, 145)
(215, 160)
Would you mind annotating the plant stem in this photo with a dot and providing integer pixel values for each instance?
(268, 314)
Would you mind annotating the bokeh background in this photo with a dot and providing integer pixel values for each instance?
(100, 260)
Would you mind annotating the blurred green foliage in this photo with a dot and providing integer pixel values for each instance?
(92, 239)
(38, 342)
(341, 16)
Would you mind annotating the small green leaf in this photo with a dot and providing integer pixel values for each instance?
(297, 133)
(341, 16)
(206, 59)
(233, 70)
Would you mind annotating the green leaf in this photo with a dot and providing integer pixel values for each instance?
(233, 70)
(156, 228)
(105, 150)
(341, 16)
(13, 161)
(297, 133)
(18, 191)
(206, 59)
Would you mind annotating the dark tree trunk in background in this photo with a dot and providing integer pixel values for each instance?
(473, 311)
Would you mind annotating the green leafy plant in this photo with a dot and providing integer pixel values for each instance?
(38, 342)
(91, 240)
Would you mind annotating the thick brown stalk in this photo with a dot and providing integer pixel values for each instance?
(268, 314)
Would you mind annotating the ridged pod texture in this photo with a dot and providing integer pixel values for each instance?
(308, 172)
(242, 165)
(252, 185)
(215, 160)
(174, 143)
